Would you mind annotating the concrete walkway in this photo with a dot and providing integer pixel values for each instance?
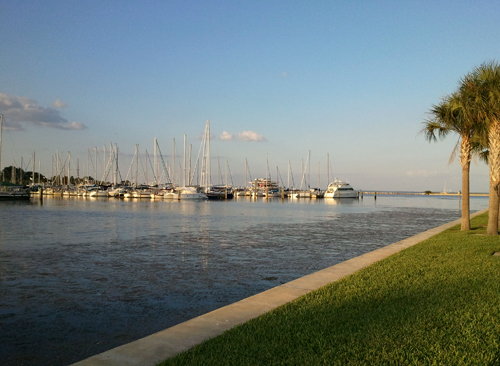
(167, 343)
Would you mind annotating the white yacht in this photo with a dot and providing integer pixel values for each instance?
(100, 192)
(185, 193)
(339, 189)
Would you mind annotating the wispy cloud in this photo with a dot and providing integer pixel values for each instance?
(250, 136)
(19, 110)
(226, 136)
(59, 104)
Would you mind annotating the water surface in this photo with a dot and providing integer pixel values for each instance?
(80, 276)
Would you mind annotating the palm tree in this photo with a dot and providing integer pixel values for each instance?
(481, 91)
(447, 117)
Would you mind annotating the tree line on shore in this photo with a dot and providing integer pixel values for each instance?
(472, 112)
(19, 176)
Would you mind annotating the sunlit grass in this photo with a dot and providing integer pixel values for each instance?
(436, 303)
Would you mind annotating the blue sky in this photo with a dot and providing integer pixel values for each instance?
(276, 79)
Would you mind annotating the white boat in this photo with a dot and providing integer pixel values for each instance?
(189, 193)
(117, 191)
(70, 191)
(49, 191)
(142, 191)
(244, 192)
(265, 187)
(99, 193)
(317, 193)
(339, 189)
(302, 194)
(164, 193)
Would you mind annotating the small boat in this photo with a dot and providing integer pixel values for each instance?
(220, 193)
(163, 193)
(317, 193)
(265, 187)
(116, 191)
(100, 192)
(188, 193)
(244, 192)
(142, 191)
(339, 189)
(302, 194)
(70, 191)
(49, 191)
(14, 193)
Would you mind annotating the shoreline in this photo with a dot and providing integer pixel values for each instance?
(171, 341)
(371, 193)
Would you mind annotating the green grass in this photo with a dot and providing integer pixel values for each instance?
(436, 303)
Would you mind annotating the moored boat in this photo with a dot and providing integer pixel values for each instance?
(339, 189)
(189, 193)
(14, 193)
(220, 193)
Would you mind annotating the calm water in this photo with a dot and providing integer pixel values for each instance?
(80, 276)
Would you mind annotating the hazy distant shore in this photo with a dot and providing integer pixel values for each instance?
(423, 193)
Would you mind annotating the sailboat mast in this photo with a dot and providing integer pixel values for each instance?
(302, 171)
(309, 170)
(319, 176)
(104, 163)
(184, 163)
(147, 158)
(57, 168)
(288, 181)
(1, 129)
(328, 168)
(156, 162)
(136, 164)
(95, 169)
(88, 165)
(173, 163)
(190, 182)
(116, 160)
(69, 167)
(218, 172)
(33, 170)
(209, 170)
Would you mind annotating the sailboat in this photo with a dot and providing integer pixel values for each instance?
(10, 193)
(304, 193)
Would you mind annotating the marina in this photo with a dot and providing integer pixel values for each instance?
(82, 275)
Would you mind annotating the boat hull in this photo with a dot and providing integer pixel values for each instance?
(340, 194)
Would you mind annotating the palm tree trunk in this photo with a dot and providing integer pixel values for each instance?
(494, 163)
(465, 158)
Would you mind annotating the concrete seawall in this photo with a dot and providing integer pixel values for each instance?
(167, 343)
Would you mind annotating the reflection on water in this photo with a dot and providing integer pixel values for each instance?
(81, 276)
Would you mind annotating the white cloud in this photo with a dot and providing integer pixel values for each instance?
(250, 136)
(59, 104)
(18, 110)
(226, 136)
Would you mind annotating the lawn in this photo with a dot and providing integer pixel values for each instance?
(435, 303)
